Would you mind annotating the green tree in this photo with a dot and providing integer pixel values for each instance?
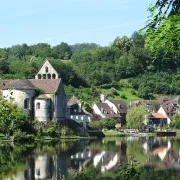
(108, 123)
(123, 43)
(4, 66)
(95, 124)
(62, 51)
(176, 121)
(162, 29)
(12, 118)
(136, 117)
(137, 39)
(17, 52)
(42, 50)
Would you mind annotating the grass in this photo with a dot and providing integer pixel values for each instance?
(113, 133)
(126, 92)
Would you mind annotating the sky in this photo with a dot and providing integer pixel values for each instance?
(71, 21)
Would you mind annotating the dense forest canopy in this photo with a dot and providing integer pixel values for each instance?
(148, 62)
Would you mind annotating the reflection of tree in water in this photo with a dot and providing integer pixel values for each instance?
(135, 149)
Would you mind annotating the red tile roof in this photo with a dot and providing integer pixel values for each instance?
(158, 116)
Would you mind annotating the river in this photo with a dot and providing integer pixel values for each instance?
(98, 158)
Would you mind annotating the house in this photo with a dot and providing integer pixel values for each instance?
(77, 112)
(42, 99)
(157, 119)
(170, 108)
(119, 107)
(116, 109)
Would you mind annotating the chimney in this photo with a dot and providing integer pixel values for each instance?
(103, 97)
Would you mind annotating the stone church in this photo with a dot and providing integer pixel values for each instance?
(42, 98)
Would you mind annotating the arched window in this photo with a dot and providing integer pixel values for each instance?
(39, 76)
(46, 69)
(49, 76)
(53, 76)
(38, 105)
(44, 76)
(26, 103)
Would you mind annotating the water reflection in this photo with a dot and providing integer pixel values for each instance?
(63, 160)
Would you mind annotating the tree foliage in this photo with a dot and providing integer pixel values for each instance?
(176, 121)
(12, 118)
(163, 27)
(136, 117)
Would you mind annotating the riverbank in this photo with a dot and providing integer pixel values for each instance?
(48, 138)
(93, 134)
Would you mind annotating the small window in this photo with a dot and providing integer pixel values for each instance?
(46, 69)
(54, 76)
(49, 76)
(26, 103)
(38, 172)
(44, 76)
(39, 76)
(38, 105)
(76, 117)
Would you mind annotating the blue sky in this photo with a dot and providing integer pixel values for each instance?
(71, 21)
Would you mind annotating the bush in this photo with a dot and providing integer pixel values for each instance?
(95, 124)
(51, 132)
(133, 92)
(22, 136)
(113, 92)
(123, 96)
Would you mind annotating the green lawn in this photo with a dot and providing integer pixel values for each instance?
(113, 133)
(126, 91)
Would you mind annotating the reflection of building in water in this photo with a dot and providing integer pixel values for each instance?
(109, 160)
(79, 159)
(163, 150)
(61, 167)
(43, 167)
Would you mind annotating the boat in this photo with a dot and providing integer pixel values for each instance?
(166, 133)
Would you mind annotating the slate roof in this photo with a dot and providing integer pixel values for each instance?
(149, 102)
(121, 106)
(48, 86)
(16, 84)
(106, 110)
(73, 101)
(176, 100)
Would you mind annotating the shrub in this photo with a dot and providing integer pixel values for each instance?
(114, 92)
(123, 96)
(133, 92)
(22, 136)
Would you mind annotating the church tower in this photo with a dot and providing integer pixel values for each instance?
(47, 71)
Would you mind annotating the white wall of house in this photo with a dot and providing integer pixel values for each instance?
(98, 111)
(162, 111)
(20, 96)
(112, 106)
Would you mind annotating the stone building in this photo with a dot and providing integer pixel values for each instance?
(47, 71)
(42, 99)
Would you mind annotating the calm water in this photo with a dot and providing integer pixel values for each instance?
(58, 160)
